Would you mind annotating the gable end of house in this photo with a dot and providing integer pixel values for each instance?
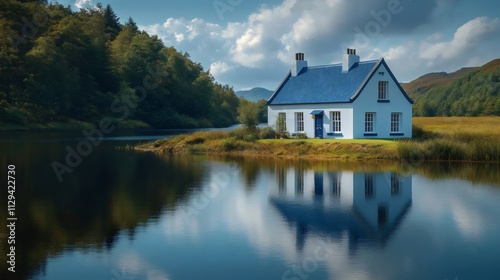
(370, 75)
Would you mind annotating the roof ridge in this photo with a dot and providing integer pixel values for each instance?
(340, 64)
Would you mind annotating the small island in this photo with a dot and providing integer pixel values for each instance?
(434, 139)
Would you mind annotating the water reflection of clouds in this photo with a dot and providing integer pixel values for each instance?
(469, 209)
(131, 266)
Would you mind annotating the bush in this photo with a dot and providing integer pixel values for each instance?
(229, 144)
(285, 135)
(248, 113)
(267, 133)
(301, 136)
(17, 115)
(251, 138)
(240, 133)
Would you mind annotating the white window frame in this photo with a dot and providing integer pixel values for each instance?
(299, 122)
(383, 89)
(336, 118)
(396, 122)
(369, 122)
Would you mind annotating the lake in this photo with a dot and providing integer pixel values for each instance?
(122, 215)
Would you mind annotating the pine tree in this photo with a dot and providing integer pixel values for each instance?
(132, 25)
(111, 22)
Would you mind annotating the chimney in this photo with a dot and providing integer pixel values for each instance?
(298, 64)
(349, 59)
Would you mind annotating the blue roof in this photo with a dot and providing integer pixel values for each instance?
(323, 84)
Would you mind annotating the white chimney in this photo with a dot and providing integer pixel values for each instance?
(349, 59)
(298, 64)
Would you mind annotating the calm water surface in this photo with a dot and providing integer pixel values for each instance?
(124, 215)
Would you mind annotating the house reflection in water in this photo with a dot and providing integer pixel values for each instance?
(363, 207)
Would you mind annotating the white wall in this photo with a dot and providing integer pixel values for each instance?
(367, 102)
(290, 110)
(395, 204)
(344, 199)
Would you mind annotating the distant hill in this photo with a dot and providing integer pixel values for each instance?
(466, 92)
(421, 85)
(255, 94)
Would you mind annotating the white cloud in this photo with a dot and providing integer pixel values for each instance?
(177, 30)
(398, 52)
(84, 4)
(218, 68)
(259, 49)
(179, 37)
(131, 265)
(465, 38)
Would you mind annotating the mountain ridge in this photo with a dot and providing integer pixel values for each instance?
(255, 94)
(473, 91)
(429, 80)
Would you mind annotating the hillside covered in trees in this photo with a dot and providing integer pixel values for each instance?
(61, 66)
(467, 92)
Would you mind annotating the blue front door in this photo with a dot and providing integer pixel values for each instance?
(318, 125)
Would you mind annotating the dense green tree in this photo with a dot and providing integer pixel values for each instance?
(476, 93)
(248, 113)
(84, 66)
(262, 104)
(111, 22)
(131, 25)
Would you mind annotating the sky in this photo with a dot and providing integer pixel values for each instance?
(251, 43)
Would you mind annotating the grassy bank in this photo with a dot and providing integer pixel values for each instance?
(453, 139)
(435, 139)
(247, 143)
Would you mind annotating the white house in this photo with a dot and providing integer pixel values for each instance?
(353, 99)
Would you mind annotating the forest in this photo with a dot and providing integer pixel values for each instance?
(63, 66)
(473, 93)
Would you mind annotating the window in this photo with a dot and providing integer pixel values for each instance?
(395, 122)
(382, 90)
(336, 184)
(369, 122)
(336, 122)
(281, 123)
(369, 192)
(299, 182)
(299, 119)
(394, 184)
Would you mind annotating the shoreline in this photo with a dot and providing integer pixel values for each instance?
(286, 149)
(436, 139)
